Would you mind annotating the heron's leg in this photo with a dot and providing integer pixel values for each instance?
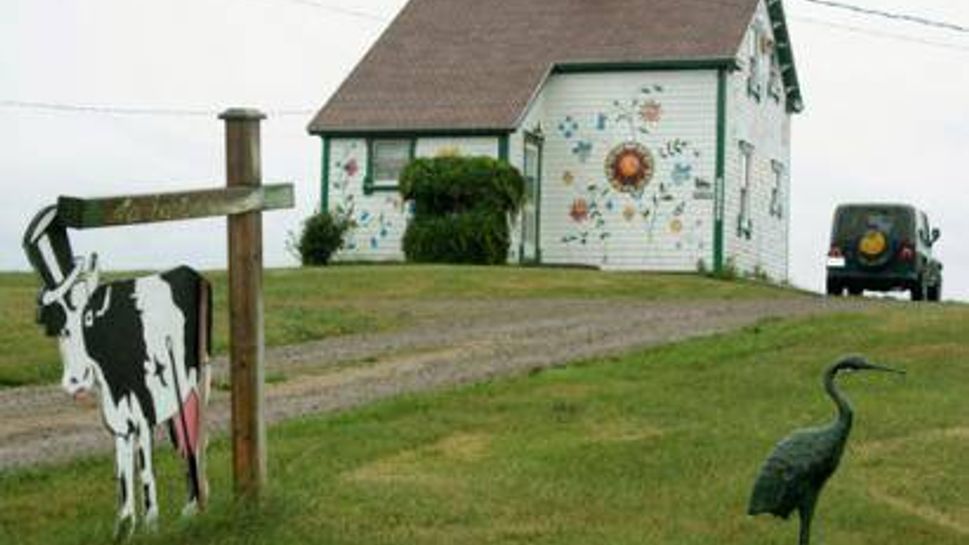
(806, 513)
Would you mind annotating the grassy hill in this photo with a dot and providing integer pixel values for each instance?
(657, 447)
(308, 304)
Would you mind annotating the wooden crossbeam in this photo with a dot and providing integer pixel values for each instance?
(80, 213)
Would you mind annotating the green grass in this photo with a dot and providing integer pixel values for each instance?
(656, 447)
(309, 304)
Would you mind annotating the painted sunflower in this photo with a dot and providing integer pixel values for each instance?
(629, 167)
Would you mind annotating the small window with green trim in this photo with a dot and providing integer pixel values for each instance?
(776, 194)
(745, 225)
(387, 161)
(753, 63)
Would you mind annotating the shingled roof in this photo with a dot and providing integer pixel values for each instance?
(474, 65)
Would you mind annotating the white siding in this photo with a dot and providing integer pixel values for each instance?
(766, 125)
(666, 226)
(381, 217)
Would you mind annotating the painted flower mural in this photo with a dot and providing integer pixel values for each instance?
(629, 167)
(651, 112)
(568, 178)
(579, 212)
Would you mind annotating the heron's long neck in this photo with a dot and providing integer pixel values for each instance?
(845, 412)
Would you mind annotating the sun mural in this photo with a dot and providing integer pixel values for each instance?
(629, 167)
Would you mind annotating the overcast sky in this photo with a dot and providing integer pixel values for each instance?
(886, 118)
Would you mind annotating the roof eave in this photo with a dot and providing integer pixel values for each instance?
(785, 55)
(398, 132)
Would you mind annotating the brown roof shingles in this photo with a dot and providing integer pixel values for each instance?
(475, 64)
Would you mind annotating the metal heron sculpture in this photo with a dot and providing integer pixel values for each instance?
(795, 472)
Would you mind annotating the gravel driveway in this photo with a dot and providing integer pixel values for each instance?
(457, 342)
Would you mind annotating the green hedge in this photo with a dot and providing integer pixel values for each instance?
(461, 209)
(474, 238)
(321, 237)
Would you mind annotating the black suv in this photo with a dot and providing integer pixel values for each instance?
(883, 247)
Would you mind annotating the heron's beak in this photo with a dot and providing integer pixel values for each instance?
(884, 368)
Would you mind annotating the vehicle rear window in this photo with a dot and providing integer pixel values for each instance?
(855, 222)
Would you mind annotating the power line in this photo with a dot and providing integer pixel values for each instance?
(880, 34)
(339, 9)
(130, 111)
(894, 16)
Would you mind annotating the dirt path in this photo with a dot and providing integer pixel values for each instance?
(456, 343)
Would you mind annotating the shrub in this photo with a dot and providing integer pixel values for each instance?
(322, 236)
(461, 209)
(475, 237)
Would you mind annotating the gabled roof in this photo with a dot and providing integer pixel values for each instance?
(474, 65)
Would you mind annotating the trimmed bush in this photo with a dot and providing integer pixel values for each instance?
(473, 238)
(461, 209)
(322, 236)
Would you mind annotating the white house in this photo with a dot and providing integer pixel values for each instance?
(655, 134)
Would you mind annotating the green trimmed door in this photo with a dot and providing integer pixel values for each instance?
(532, 170)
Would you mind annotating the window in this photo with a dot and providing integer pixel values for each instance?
(775, 85)
(744, 223)
(387, 160)
(776, 194)
(753, 63)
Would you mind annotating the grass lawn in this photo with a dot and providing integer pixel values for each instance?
(657, 447)
(309, 304)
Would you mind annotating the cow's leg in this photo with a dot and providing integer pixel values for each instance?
(191, 468)
(125, 460)
(147, 471)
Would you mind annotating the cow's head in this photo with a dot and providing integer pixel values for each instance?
(64, 313)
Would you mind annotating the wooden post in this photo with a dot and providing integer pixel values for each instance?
(246, 352)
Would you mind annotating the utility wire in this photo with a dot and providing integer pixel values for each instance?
(130, 111)
(894, 16)
(880, 34)
(338, 9)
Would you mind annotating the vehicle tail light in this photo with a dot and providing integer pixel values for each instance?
(835, 251)
(906, 252)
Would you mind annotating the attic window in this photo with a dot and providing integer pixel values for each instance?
(387, 161)
(753, 63)
(775, 85)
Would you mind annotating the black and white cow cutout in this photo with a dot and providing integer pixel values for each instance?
(142, 345)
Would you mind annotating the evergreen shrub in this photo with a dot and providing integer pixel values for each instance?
(461, 209)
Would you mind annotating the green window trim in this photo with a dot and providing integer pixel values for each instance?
(325, 177)
(745, 225)
(538, 140)
(721, 161)
(369, 185)
(776, 204)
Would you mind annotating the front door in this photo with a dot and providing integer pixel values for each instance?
(532, 170)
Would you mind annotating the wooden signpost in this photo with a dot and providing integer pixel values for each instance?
(243, 201)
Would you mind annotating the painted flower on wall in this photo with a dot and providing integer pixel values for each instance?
(351, 167)
(579, 211)
(568, 127)
(651, 112)
(629, 167)
(568, 178)
(582, 150)
(629, 212)
(682, 173)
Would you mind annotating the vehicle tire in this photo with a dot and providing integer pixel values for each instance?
(833, 288)
(934, 293)
(918, 290)
(855, 291)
